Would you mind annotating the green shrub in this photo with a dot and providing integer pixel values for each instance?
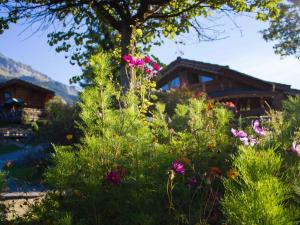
(59, 122)
(258, 195)
(140, 150)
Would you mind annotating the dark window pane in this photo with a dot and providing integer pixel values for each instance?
(193, 79)
(7, 95)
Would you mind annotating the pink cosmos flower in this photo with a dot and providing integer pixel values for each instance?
(113, 177)
(249, 141)
(252, 141)
(156, 66)
(132, 62)
(296, 148)
(257, 128)
(148, 71)
(139, 62)
(127, 58)
(178, 167)
(147, 59)
(154, 73)
(238, 133)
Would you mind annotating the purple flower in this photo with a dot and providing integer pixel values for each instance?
(249, 141)
(238, 133)
(178, 167)
(113, 177)
(252, 141)
(245, 140)
(192, 181)
(296, 148)
(257, 128)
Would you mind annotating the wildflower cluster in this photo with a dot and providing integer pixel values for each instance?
(249, 140)
(150, 68)
(243, 136)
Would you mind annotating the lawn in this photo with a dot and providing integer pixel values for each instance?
(8, 148)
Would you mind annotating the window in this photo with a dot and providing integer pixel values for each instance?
(165, 87)
(7, 95)
(193, 79)
(175, 83)
(206, 79)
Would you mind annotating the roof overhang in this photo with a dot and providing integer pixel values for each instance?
(26, 84)
(224, 71)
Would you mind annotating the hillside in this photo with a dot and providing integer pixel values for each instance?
(10, 69)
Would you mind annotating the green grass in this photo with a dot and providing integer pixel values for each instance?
(4, 149)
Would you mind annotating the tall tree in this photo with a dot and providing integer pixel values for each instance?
(88, 24)
(285, 29)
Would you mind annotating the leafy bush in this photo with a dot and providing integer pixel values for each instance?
(140, 162)
(118, 173)
(59, 122)
(258, 195)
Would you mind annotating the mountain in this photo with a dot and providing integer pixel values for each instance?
(10, 69)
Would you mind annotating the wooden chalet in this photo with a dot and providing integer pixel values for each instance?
(252, 96)
(20, 93)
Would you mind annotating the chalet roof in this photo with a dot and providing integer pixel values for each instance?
(26, 84)
(219, 70)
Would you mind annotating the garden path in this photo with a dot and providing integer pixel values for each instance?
(22, 154)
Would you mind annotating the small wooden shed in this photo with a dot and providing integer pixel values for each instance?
(31, 96)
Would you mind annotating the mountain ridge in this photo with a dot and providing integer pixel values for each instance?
(10, 69)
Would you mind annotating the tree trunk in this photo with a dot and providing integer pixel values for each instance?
(126, 49)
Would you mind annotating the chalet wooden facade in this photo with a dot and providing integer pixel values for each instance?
(25, 94)
(252, 96)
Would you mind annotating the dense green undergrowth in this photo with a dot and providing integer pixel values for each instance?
(138, 164)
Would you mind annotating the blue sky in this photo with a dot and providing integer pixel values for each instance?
(244, 51)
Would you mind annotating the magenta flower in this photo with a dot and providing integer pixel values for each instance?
(257, 128)
(139, 62)
(178, 167)
(132, 62)
(127, 58)
(192, 181)
(113, 177)
(147, 59)
(156, 66)
(148, 71)
(296, 148)
(237, 133)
